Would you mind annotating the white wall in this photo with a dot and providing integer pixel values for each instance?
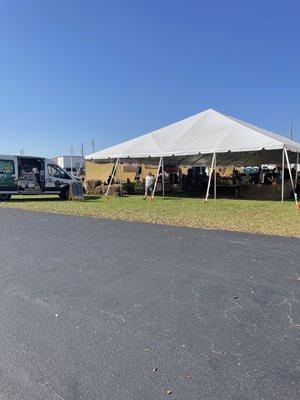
(65, 162)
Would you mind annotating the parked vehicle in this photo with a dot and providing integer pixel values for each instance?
(33, 175)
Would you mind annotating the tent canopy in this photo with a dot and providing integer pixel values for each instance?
(201, 134)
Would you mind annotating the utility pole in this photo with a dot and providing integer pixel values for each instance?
(291, 130)
(80, 169)
(93, 145)
(82, 151)
(72, 159)
(21, 150)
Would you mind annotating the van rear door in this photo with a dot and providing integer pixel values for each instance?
(8, 175)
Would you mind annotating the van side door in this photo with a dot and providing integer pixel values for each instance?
(8, 175)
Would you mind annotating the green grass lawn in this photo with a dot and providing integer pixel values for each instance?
(269, 217)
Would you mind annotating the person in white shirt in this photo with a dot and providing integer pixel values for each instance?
(149, 185)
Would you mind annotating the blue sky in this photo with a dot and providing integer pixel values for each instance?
(112, 70)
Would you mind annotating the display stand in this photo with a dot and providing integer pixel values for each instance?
(76, 191)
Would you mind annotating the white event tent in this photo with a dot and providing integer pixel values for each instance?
(204, 138)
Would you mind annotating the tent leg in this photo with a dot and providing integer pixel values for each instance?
(282, 176)
(215, 178)
(121, 190)
(155, 184)
(296, 175)
(210, 174)
(163, 176)
(112, 176)
(290, 173)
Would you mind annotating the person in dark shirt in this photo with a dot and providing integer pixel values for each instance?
(268, 178)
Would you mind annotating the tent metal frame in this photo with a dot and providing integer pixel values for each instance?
(282, 175)
(290, 174)
(213, 170)
(157, 174)
(112, 176)
(297, 166)
(213, 161)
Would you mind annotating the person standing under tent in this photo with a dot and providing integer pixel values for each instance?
(149, 185)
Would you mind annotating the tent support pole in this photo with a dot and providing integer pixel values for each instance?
(163, 176)
(156, 179)
(215, 178)
(282, 176)
(120, 177)
(296, 175)
(112, 176)
(290, 173)
(210, 174)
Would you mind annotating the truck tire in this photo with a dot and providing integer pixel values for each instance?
(5, 197)
(64, 193)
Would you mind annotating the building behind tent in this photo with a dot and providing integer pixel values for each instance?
(66, 163)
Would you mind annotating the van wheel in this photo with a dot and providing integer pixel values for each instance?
(64, 193)
(5, 197)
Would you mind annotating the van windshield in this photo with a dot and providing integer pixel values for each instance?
(56, 172)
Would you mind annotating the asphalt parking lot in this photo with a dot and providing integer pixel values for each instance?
(96, 309)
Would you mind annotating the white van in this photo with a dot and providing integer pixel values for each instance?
(33, 175)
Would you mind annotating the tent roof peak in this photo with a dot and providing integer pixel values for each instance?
(209, 131)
